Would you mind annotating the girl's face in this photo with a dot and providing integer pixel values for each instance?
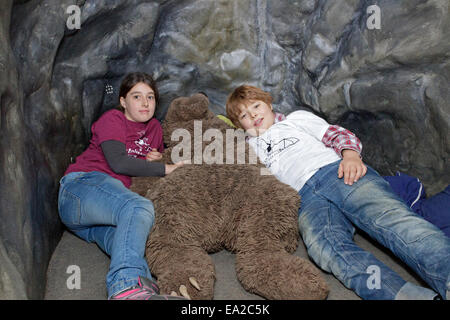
(256, 117)
(139, 104)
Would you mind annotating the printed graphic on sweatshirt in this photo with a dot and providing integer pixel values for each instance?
(142, 147)
(274, 147)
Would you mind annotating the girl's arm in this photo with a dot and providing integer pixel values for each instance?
(119, 161)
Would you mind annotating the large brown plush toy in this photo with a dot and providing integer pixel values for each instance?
(211, 205)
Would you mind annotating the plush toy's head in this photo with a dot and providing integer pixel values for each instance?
(182, 112)
(191, 128)
(189, 108)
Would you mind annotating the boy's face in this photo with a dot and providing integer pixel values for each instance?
(256, 117)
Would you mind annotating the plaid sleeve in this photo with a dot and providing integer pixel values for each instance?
(340, 139)
(279, 117)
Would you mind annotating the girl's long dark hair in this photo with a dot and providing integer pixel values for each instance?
(133, 79)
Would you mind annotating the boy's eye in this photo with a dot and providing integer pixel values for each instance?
(136, 97)
(150, 97)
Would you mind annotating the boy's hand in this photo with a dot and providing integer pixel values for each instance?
(153, 155)
(351, 167)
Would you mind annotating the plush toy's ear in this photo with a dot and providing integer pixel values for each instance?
(189, 108)
(226, 120)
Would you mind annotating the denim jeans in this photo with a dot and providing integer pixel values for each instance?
(330, 209)
(99, 208)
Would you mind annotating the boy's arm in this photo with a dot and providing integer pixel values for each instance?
(352, 168)
(348, 147)
(340, 139)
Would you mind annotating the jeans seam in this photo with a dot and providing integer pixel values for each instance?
(122, 284)
(108, 192)
(391, 290)
(78, 203)
(129, 223)
(112, 194)
(385, 234)
(391, 233)
(80, 180)
(413, 260)
(99, 187)
(124, 202)
(430, 275)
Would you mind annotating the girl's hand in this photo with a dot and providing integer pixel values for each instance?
(171, 167)
(153, 155)
(351, 167)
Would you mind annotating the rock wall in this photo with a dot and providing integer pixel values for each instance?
(29, 228)
(388, 85)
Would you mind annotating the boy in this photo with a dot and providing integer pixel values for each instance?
(310, 155)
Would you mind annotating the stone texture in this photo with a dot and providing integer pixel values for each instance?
(27, 222)
(389, 85)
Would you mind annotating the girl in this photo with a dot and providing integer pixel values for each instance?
(95, 202)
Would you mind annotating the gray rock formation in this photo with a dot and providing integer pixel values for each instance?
(388, 85)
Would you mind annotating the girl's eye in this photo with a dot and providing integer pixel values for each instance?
(256, 107)
(136, 97)
(150, 97)
(243, 116)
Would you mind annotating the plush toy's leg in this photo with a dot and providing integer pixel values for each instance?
(280, 276)
(265, 267)
(176, 266)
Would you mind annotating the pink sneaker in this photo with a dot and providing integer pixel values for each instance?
(146, 289)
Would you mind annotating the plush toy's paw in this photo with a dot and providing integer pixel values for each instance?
(186, 270)
(191, 289)
(281, 276)
(183, 289)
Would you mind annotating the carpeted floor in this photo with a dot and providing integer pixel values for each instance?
(93, 265)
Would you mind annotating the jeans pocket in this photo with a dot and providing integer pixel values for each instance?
(69, 208)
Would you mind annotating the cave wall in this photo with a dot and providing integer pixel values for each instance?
(389, 85)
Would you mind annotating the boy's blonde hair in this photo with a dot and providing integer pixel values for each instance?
(242, 95)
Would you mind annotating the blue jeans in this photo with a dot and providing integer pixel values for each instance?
(330, 208)
(99, 208)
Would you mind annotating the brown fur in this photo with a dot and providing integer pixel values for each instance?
(205, 208)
